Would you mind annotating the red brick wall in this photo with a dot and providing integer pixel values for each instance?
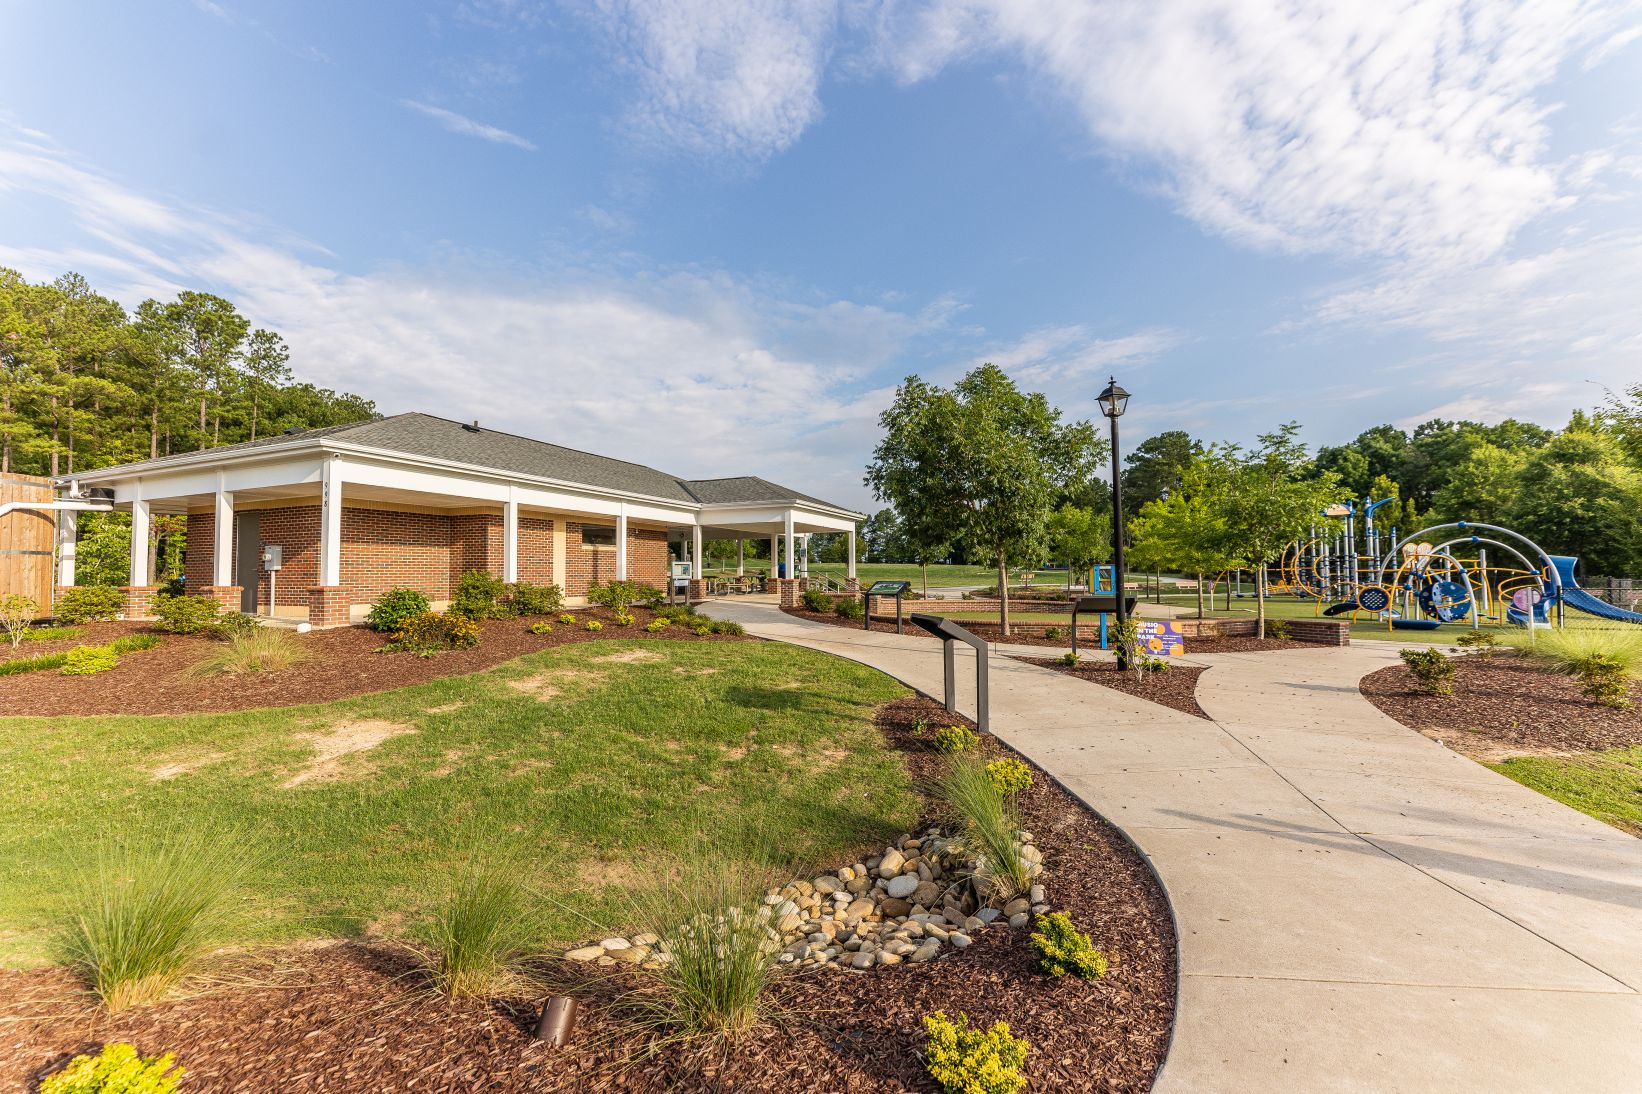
(536, 550)
(647, 555)
(585, 566)
(383, 548)
(297, 531)
(201, 540)
(475, 544)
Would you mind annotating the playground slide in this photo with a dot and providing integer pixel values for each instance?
(1580, 600)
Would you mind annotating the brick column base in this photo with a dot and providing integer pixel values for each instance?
(697, 592)
(139, 601)
(852, 584)
(328, 606)
(226, 596)
(790, 590)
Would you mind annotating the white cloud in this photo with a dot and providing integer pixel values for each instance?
(721, 77)
(467, 127)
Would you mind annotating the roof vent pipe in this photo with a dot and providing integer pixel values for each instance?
(474, 428)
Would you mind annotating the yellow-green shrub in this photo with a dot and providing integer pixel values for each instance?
(594, 625)
(541, 627)
(117, 1069)
(1010, 776)
(1062, 949)
(968, 1061)
(955, 739)
(655, 626)
(86, 660)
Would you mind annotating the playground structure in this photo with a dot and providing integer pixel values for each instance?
(1418, 584)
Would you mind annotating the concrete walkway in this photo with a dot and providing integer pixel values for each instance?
(1360, 909)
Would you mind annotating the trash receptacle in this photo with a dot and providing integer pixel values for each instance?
(781, 569)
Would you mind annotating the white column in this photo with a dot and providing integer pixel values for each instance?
(849, 569)
(775, 553)
(139, 542)
(621, 543)
(741, 558)
(222, 546)
(792, 545)
(68, 543)
(330, 523)
(510, 538)
(696, 568)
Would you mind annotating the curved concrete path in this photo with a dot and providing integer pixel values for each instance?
(1360, 909)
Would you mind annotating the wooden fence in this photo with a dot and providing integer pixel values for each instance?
(28, 539)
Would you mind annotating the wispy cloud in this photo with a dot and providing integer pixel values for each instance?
(467, 127)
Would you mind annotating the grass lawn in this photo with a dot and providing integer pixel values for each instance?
(1605, 785)
(590, 763)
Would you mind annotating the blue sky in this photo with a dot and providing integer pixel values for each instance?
(712, 235)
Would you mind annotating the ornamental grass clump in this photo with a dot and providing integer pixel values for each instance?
(990, 825)
(969, 1061)
(262, 649)
(717, 946)
(1061, 948)
(117, 1069)
(1433, 670)
(144, 915)
(482, 925)
(1604, 659)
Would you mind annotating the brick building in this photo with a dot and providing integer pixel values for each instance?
(415, 500)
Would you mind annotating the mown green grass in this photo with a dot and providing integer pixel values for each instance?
(769, 748)
(1605, 785)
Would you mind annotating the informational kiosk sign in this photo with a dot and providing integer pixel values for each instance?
(897, 589)
(1102, 606)
(949, 632)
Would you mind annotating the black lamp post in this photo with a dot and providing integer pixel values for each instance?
(1113, 402)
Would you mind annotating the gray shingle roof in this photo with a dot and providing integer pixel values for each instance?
(437, 438)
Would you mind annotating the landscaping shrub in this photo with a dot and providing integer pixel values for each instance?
(428, 633)
(711, 921)
(1605, 680)
(728, 626)
(703, 630)
(16, 613)
(263, 649)
(460, 631)
(817, 601)
(117, 1069)
(89, 660)
(1009, 775)
(566, 618)
(1483, 642)
(618, 596)
(18, 665)
(1051, 633)
(849, 607)
(1432, 668)
(478, 595)
(1155, 664)
(1070, 659)
(950, 739)
(968, 1061)
(235, 624)
(90, 604)
(390, 611)
(541, 627)
(594, 625)
(991, 829)
(526, 599)
(624, 619)
(484, 923)
(1278, 629)
(1061, 948)
(186, 614)
(143, 916)
(1566, 650)
(655, 626)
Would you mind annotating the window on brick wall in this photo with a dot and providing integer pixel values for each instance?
(598, 535)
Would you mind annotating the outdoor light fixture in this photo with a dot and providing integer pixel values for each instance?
(1113, 401)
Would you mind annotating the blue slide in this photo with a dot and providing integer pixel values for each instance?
(1580, 600)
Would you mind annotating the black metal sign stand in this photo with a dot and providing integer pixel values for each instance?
(949, 632)
(897, 589)
(1103, 605)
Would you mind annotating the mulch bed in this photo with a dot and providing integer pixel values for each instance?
(1503, 704)
(1175, 687)
(157, 681)
(355, 1017)
(1246, 644)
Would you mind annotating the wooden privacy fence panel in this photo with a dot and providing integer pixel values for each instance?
(28, 538)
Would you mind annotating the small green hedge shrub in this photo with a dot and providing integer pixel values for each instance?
(849, 607)
(525, 599)
(1484, 642)
(1278, 629)
(656, 626)
(186, 614)
(428, 633)
(478, 595)
(1432, 668)
(1062, 948)
(117, 1069)
(817, 601)
(90, 604)
(968, 1061)
(1010, 775)
(728, 626)
(541, 627)
(618, 596)
(88, 660)
(390, 611)
(625, 619)
(1070, 659)
(950, 739)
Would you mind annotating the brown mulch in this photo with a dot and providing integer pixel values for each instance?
(355, 1017)
(342, 665)
(1245, 644)
(1175, 687)
(1504, 705)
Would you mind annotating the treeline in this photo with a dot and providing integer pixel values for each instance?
(84, 384)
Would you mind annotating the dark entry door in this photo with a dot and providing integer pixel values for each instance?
(248, 563)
